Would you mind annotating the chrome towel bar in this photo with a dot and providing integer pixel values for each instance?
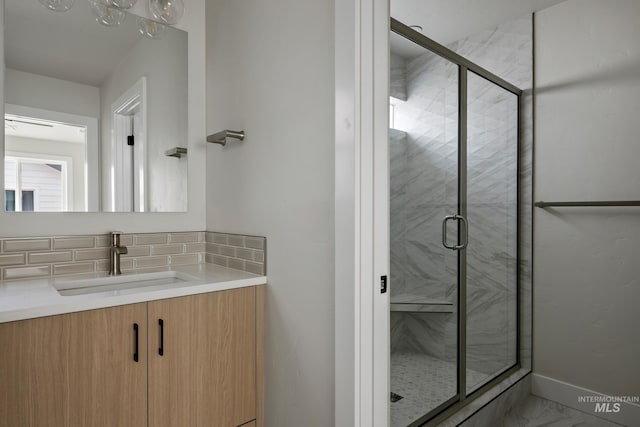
(542, 204)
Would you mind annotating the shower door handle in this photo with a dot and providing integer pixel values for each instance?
(463, 220)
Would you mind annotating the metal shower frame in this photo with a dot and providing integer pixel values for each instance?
(451, 406)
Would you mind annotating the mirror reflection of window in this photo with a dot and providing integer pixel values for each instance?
(27, 201)
(40, 183)
(44, 165)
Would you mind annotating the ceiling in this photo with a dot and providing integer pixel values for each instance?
(446, 21)
(65, 45)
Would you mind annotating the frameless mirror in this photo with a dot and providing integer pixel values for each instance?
(95, 111)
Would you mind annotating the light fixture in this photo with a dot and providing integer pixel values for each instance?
(122, 4)
(111, 13)
(57, 5)
(167, 11)
(107, 16)
(150, 29)
(418, 28)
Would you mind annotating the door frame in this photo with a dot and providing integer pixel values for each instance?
(128, 185)
(362, 212)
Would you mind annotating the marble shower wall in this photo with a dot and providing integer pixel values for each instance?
(492, 215)
(424, 181)
(507, 51)
(424, 190)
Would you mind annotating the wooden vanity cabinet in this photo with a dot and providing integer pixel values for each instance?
(75, 369)
(206, 374)
(79, 370)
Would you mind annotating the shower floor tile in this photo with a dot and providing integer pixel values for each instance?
(424, 382)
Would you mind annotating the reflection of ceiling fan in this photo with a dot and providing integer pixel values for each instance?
(48, 125)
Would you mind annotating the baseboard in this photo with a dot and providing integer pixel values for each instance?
(588, 401)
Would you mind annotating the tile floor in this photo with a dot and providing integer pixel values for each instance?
(536, 412)
(424, 382)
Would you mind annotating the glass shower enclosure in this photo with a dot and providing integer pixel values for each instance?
(454, 154)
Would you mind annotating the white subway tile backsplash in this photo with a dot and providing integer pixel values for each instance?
(49, 257)
(137, 251)
(185, 259)
(184, 237)
(219, 260)
(254, 267)
(74, 242)
(104, 265)
(26, 272)
(151, 261)
(246, 253)
(15, 245)
(220, 238)
(255, 242)
(91, 254)
(125, 264)
(59, 255)
(212, 248)
(167, 249)
(13, 259)
(236, 264)
(74, 268)
(229, 251)
(151, 239)
(194, 247)
(235, 240)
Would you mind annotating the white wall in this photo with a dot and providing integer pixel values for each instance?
(270, 72)
(587, 281)
(164, 64)
(36, 91)
(17, 225)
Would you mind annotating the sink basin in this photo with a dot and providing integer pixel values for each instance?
(124, 284)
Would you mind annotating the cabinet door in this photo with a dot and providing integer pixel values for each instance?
(75, 370)
(207, 373)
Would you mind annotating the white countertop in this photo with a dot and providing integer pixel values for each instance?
(26, 299)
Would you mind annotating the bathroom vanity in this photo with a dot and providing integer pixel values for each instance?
(174, 352)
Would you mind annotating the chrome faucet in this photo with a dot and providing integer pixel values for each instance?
(114, 255)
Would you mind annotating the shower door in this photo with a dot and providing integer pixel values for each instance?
(453, 148)
(425, 217)
(492, 213)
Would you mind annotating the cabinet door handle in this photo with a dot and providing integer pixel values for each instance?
(135, 334)
(161, 348)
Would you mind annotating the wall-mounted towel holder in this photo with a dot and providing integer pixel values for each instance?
(178, 152)
(221, 137)
(542, 204)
